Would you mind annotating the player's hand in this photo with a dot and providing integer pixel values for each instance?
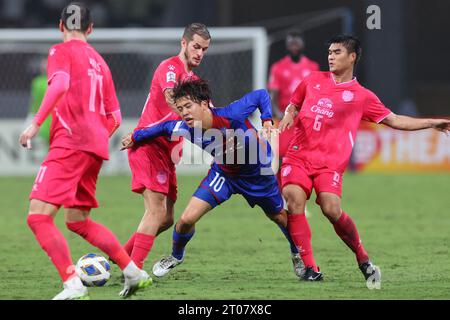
(127, 141)
(28, 134)
(286, 122)
(442, 125)
(267, 129)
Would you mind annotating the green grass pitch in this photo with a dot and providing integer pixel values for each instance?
(237, 253)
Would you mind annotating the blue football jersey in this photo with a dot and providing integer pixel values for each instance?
(233, 141)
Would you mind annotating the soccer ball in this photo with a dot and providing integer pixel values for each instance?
(93, 270)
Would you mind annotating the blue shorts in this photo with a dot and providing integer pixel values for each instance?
(217, 187)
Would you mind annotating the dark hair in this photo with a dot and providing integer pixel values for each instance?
(196, 90)
(294, 33)
(70, 22)
(196, 28)
(351, 43)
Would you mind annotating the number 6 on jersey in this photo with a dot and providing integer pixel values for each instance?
(317, 124)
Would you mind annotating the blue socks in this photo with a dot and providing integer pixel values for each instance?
(294, 249)
(179, 242)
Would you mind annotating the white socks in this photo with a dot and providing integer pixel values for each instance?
(131, 270)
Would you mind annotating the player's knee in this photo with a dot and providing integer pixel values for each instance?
(331, 210)
(295, 205)
(185, 223)
(295, 200)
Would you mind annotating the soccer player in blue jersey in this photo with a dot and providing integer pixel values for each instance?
(242, 161)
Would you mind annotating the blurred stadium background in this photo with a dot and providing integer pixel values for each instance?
(405, 63)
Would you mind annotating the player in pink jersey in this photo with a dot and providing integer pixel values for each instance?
(328, 108)
(86, 112)
(285, 75)
(153, 164)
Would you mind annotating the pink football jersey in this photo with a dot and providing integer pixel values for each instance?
(79, 118)
(330, 114)
(156, 109)
(286, 75)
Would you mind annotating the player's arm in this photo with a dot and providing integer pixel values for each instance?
(401, 122)
(143, 135)
(166, 76)
(241, 109)
(294, 107)
(375, 111)
(112, 108)
(169, 99)
(58, 74)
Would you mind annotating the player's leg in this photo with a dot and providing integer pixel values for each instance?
(156, 180)
(98, 235)
(157, 218)
(281, 220)
(54, 185)
(182, 233)
(264, 191)
(297, 187)
(52, 241)
(328, 186)
(78, 221)
(185, 227)
(213, 190)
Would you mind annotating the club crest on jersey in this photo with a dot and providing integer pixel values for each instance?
(52, 51)
(324, 107)
(171, 77)
(161, 177)
(286, 171)
(347, 96)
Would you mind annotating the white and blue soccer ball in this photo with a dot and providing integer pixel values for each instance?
(93, 269)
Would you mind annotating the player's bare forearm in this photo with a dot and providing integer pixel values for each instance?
(406, 123)
(289, 115)
(169, 99)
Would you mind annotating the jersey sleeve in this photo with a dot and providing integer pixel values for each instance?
(374, 110)
(244, 107)
(58, 62)
(166, 128)
(299, 94)
(167, 75)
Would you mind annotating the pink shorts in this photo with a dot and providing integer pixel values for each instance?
(68, 178)
(153, 169)
(322, 180)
